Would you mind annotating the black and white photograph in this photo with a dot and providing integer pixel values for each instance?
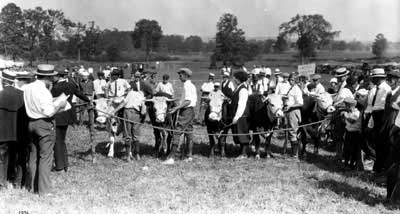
(200, 106)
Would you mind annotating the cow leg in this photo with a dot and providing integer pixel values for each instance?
(212, 145)
(111, 147)
(268, 151)
(256, 140)
(158, 140)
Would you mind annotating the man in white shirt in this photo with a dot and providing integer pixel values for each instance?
(165, 86)
(117, 87)
(100, 85)
(376, 108)
(107, 72)
(186, 115)
(40, 108)
(262, 83)
(293, 102)
(319, 88)
(283, 87)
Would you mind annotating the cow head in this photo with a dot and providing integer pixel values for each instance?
(275, 105)
(104, 108)
(160, 106)
(215, 104)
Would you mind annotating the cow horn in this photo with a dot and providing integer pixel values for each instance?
(149, 100)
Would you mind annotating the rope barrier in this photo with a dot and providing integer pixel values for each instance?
(218, 135)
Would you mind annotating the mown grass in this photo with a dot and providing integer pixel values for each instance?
(279, 185)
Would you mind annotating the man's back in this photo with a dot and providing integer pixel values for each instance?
(11, 102)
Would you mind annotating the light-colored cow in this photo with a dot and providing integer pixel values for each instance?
(158, 113)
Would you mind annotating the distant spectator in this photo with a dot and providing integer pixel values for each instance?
(165, 86)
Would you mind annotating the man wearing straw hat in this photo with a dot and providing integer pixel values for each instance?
(11, 106)
(41, 109)
(375, 112)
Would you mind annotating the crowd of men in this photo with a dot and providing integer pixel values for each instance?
(37, 108)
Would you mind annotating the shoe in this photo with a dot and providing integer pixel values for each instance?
(169, 161)
(241, 157)
(189, 159)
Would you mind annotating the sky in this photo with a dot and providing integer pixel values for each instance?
(356, 19)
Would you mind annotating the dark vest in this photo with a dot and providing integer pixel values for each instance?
(235, 100)
(390, 114)
(226, 90)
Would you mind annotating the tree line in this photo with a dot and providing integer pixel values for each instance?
(38, 34)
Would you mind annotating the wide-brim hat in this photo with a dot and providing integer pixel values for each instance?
(8, 75)
(378, 72)
(24, 75)
(186, 71)
(277, 71)
(340, 72)
(285, 75)
(316, 77)
(45, 70)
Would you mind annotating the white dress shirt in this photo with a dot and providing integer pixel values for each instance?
(189, 93)
(165, 88)
(122, 87)
(383, 90)
(282, 88)
(243, 97)
(207, 87)
(319, 89)
(295, 96)
(99, 85)
(38, 100)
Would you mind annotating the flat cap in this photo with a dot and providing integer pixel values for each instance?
(186, 71)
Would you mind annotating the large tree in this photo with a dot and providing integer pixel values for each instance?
(55, 27)
(280, 44)
(146, 35)
(172, 43)
(11, 30)
(33, 29)
(312, 31)
(379, 46)
(193, 43)
(230, 41)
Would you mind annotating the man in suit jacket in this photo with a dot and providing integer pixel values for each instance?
(11, 106)
(138, 85)
(64, 119)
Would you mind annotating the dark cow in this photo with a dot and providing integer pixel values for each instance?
(157, 108)
(315, 108)
(215, 120)
(263, 117)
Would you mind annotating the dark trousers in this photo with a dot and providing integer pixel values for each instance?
(41, 147)
(352, 149)
(4, 154)
(379, 144)
(132, 131)
(60, 148)
(184, 123)
(241, 127)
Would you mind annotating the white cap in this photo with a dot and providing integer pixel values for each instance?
(212, 75)
(333, 80)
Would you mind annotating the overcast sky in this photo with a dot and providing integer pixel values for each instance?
(360, 19)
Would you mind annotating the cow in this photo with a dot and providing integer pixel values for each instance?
(264, 112)
(216, 120)
(157, 108)
(315, 108)
(105, 108)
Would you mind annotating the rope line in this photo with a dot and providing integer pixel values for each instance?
(218, 135)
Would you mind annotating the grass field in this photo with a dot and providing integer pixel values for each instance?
(279, 185)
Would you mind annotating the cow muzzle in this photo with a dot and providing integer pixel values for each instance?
(279, 113)
(213, 116)
(101, 119)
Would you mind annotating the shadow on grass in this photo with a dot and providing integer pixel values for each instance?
(360, 194)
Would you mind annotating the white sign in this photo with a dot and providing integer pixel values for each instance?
(306, 70)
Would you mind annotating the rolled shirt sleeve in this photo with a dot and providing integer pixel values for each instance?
(189, 93)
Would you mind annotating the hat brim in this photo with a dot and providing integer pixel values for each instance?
(45, 74)
(344, 74)
(379, 75)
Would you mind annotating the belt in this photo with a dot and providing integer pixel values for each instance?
(48, 119)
